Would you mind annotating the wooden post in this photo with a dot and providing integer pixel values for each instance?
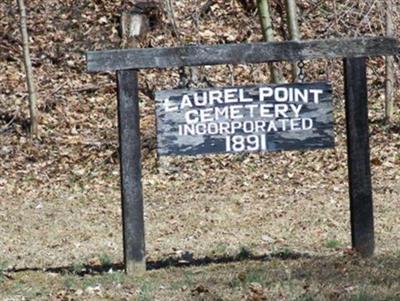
(361, 207)
(131, 173)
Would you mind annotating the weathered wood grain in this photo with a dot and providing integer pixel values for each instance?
(131, 173)
(122, 59)
(170, 141)
(361, 207)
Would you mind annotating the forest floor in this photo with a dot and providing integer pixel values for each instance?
(270, 226)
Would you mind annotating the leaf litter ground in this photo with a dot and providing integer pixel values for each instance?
(269, 226)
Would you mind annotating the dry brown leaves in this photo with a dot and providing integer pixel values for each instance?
(77, 148)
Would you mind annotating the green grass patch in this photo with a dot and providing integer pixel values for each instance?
(146, 291)
(304, 279)
(244, 253)
(3, 267)
(362, 296)
(333, 244)
(105, 259)
(305, 297)
(221, 249)
(77, 267)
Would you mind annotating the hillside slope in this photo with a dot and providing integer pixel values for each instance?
(60, 199)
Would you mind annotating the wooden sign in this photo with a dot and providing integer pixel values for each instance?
(244, 119)
(235, 119)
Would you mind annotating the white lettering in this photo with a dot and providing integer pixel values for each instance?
(260, 125)
(186, 102)
(265, 110)
(283, 123)
(188, 129)
(265, 92)
(224, 128)
(242, 98)
(235, 125)
(272, 127)
(230, 95)
(296, 110)
(215, 96)
(301, 94)
(281, 94)
(221, 112)
(295, 124)
(307, 124)
(169, 107)
(206, 115)
(316, 93)
(280, 110)
(248, 127)
(190, 119)
(235, 112)
(251, 108)
(200, 101)
(212, 128)
(201, 129)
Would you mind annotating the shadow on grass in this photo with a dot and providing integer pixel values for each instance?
(185, 260)
(343, 276)
(339, 270)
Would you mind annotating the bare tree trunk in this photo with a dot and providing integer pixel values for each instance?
(28, 68)
(293, 30)
(171, 17)
(268, 34)
(389, 66)
(193, 71)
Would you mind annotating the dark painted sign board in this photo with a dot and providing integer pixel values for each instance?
(256, 118)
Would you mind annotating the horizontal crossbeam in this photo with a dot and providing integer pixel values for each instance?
(142, 58)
